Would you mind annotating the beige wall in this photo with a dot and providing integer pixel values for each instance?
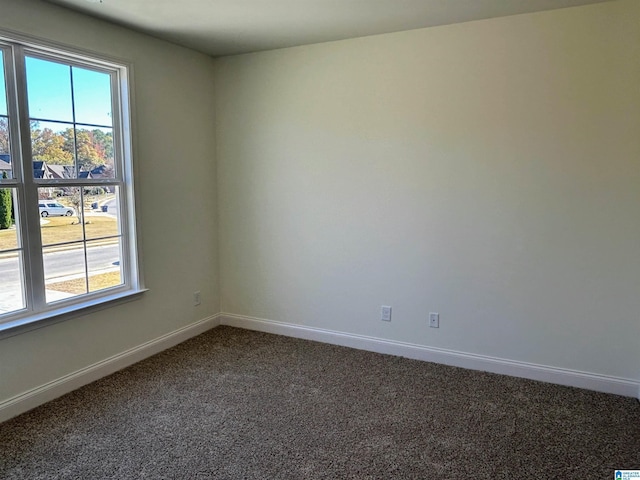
(175, 191)
(489, 171)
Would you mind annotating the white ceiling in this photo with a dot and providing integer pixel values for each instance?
(227, 27)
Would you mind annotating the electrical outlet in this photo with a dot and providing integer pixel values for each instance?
(385, 313)
(196, 298)
(434, 320)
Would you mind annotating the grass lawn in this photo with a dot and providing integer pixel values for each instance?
(96, 282)
(65, 229)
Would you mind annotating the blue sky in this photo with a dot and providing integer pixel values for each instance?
(49, 90)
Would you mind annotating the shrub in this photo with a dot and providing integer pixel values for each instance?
(6, 206)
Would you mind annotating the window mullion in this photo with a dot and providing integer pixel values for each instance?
(34, 266)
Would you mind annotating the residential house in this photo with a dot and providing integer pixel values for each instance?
(5, 166)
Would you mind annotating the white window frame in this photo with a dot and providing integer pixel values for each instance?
(37, 311)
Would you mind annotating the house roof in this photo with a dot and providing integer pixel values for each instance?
(61, 171)
(4, 166)
(42, 169)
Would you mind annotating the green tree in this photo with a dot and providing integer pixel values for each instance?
(90, 153)
(5, 206)
(4, 135)
(104, 143)
(49, 146)
(93, 147)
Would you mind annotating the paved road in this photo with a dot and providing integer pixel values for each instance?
(112, 206)
(68, 262)
(63, 263)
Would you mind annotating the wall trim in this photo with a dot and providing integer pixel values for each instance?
(37, 396)
(532, 371)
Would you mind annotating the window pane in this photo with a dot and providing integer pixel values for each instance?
(11, 286)
(95, 152)
(103, 260)
(55, 145)
(3, 87)
(65, 274)
(49, 90)
(101, 212)
(5, 156)
(92, 97)
(8, 230)
(52, 146)
(12, 297)
(59, 221)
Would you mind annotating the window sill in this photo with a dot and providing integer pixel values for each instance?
(50, 317)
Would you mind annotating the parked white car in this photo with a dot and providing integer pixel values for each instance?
(55, 209)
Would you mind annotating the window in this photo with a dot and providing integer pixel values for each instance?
(67, 226)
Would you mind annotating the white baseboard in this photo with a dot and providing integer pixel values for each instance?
(44, 393)
(560, 376)
(54, 389)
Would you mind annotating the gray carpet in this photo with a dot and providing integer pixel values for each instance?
(235, 404)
